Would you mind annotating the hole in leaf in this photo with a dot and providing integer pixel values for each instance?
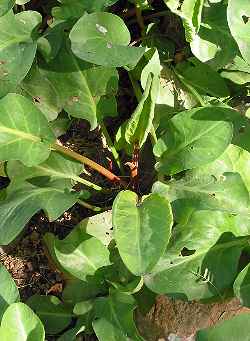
(245, 19)
(186, 252)
(37, 99)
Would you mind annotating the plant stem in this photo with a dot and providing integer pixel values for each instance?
(88, 206)
(83, 159)
(111, 146)
(87, 183)
(139, 18)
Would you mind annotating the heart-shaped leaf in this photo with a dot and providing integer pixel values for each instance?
(138, 227)
(102, 39)
(20, 323)
(24, 131)
(8, 290)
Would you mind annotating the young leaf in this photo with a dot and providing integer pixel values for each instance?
(236, 328)
(5, 6)
(71, 84)
(238, 13)
(8, 291)
(102, 39)
(22, 203)
(24, 131)
(20, 323)
(114, 318)
(193, 138)
(242, 286)
(138, 227)
(81, 255)
(214, 43)
(54, 315)
(203, 274)
(140, 123)
(17, 48)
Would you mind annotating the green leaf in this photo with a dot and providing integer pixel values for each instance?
(53, 313)
(242, 286)
(203, 78)
(17, 48)
(24, 131)
(193, 138)
(71, 84)
(202, 229)
(226, 193)
(5, 6)
(8, 290)
(22, 203)
(56, 167)
(138, 227)
(74, 9)
(114, 318)
(230, 330)
(70, 335)
(77, 290)
(214, 43)
(238, 13)
(20, 323)
(102, 39)
(98, 226)
(190, 13)
(205, 273)
(81, 255)
(139, 125)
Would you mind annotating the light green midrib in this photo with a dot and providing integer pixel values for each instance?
(19, 133)
(69, 176)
